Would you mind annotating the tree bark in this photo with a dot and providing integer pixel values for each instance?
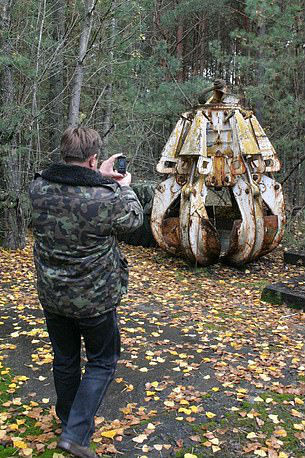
(303, 96)
(14, 216)
(179, 51)
(108, 92)
(73, 120)
(56, 79)
(7, 85)
(261, 31)
(14, 222)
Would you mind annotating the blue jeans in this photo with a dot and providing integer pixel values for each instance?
(79, 397)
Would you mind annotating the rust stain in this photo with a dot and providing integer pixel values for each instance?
(170, 231)
(271, 227)
(212, 241)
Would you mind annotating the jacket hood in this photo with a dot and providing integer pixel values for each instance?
(74, 175)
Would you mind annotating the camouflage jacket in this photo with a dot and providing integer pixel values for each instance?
(76, 214)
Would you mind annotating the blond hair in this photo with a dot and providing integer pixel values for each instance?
(80, 143)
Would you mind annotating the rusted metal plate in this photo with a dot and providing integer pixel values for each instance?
(173, 146)
(266, 149)
(243, 235)
(247, 142)
(237, 167)
(165, 195)
(258, 214)
(233, 241)
(272, 195)
(271, 229)
(213, 245)
(199, 238)
(195, 142)
(220, 175)
(171, 233)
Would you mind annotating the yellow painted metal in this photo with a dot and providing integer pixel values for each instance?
(247, 142)
(266, 150)
(195, 143)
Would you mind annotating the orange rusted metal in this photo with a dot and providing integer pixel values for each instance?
(171, 233)
(218, 147)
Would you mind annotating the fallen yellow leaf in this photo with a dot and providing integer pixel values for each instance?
(260, 452)
(111, 433)
(298, 426)
(20, 444)
(150, 426)
(210, 414)
(169, 403)
(214, 441)
(280, 433)
(27, 452)
(296, 413)
(184, 401)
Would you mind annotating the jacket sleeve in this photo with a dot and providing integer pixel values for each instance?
(128, 212)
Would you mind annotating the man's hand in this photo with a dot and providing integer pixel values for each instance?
(125, 180)
(106, 169)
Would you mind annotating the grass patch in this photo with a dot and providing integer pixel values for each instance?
(280, 412)
(5, 381)
(190, 450)
(272, 297)
(27, 427)
(7, 451)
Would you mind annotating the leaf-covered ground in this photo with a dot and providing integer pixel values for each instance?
(207, 368)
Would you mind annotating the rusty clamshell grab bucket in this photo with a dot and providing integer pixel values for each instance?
(219, 199)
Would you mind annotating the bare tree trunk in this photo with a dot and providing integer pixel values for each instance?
(7, 85)
(15, 219)
(73, 120)
(56, 80)
(303, 97)
(179, 51)
(108, 94)
(261, 31)
(14, 223)
(202, 64)
(35, 141)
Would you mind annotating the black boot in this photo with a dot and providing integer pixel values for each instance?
(76, 449)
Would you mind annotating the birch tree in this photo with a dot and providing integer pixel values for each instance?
(89, 7)
(56, 113)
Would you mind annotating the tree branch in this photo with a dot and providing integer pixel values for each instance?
(302, 159)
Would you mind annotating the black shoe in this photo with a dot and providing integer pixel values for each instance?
(75, 449)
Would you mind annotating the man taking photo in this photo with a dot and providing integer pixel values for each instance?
(77, 210)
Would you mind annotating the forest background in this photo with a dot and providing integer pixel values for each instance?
(128, 68)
